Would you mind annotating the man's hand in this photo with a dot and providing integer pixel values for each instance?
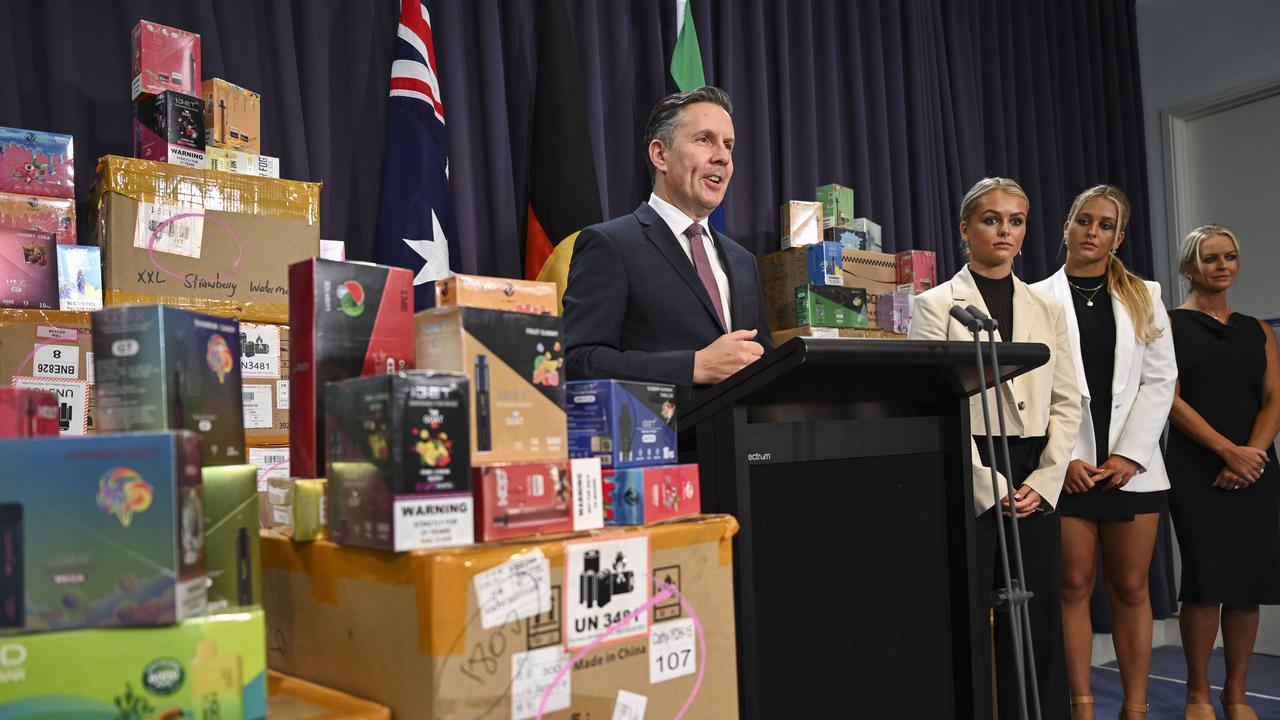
(727, 355)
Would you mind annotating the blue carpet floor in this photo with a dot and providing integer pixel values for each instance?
(1168, 688)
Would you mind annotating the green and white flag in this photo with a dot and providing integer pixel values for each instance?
(686, 59)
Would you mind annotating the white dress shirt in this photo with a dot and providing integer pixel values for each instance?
(675, 219)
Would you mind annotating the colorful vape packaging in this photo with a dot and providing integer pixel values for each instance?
(28, 413)
(232, 116)
(837, 205)
(37, 163)
(51, 350)
(232, 559)
(801, 223)
(161, 368)
(893, 312)
(825, 264)
(917, 269)
(831, 306)
(346, 319)
(28, 270)
(523, 499)
(112, 534)
(79, 278)
(625, 424)
(170, 128)
(234, 161)
(522, 296)
(164, 58)
(642, 496)
(42, 214)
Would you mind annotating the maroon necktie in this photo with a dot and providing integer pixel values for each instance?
(703, 266)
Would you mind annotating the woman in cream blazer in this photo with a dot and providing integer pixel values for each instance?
(1114, 491)
(1042, 417)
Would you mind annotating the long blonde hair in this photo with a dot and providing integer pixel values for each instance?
(1189, 253)
(1127, 287)
(970, 201)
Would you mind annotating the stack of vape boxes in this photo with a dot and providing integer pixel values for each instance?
(168, 120)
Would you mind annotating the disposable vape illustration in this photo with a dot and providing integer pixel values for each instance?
(244, 569)
(484, 435)
(12, 589)
(626, 424)
(599, 586)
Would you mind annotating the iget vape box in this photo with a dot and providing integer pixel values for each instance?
(28, 413)
(37, 163)
(831, 306)
(346, 319)
(164, 58)
(825, 264)
(641, 496)
(170, 128)
(28, 270)
(161, 368)
(42, 214)
(515, 363)
(837, 205)
(917, 268)
(625, 424)
(522, 500)
(232, 559)
(232, 116)
(893, 312)
(79, 278)
(522, 296)
(112, 533)
(800, 223)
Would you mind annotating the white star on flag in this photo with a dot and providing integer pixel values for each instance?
(435, 254)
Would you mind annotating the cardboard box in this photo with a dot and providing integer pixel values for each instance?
(875, 272)
(398, 462)
(42, 214)
(782, 272)
(801, 223)
(27, 413)
(111, 534)
(161, 368)
(272, 462)
(234, 161)
(37, 163)
(232, 116)
(290, 698)
(522, 296)
(51, 350)
(515, 363)
(208, 667)
(232, 558)
(264, 373)
(624, 423)
(28, 270)
(647, 495)
(169, 128)
(893, 312)
(782, 336)
(79, 278)
(220, 243)
(348, 319)
(520, 500)
(429, 647)
(296, 508)
(164, 58)
(828, 306)
(837, 205)
(917, 268)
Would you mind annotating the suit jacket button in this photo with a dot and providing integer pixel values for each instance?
(1022, 405)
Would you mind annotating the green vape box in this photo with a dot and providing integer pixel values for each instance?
(837, 206)
(231, 554)
(832, 306)
(162, 368)
(208, 667)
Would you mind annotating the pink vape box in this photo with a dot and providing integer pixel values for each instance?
(28, 413)
(917, 268)
(893, 312)
(164, 58)
(36, 163)
(42, 214)
(643, 496)
(28, 270)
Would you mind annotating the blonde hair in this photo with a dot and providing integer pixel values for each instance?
(969, 203)
(1128, 288)
(1189, 254)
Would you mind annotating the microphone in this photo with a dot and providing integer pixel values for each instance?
(965, 318)
(983, 319)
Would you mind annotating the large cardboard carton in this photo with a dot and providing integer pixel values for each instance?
(431, 634)
(290, 698)
(264, 373)
(877, 273)
(51, 350)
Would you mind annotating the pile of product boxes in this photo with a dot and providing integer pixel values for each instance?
(831, 279)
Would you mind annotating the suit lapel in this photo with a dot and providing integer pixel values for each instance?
(966, 293)
(734, 275)
(658, 233)
(1125, 339)
(1062, 293)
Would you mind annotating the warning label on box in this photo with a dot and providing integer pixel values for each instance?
(73, 401)
(606, 580)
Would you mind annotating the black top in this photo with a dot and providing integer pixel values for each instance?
(1097, 326)
(998, 295)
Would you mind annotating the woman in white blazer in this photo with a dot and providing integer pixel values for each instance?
(1042, 416)
(1115, 486)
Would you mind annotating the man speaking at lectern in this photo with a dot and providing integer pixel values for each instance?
(658, 295)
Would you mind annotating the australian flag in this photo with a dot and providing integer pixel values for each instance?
(416, 227)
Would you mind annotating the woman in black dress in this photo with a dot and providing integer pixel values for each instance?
(1224, 503)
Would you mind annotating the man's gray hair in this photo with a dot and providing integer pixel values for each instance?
(669, 113)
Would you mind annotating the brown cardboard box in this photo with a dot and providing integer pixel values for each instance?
(289, 698)
(229, 257)
(877, 273)
(232, 116)
(781, 336)
(478, 291)
(780, 274)
(51, 350)
(264, 378)
(406, 630)
(800, 223)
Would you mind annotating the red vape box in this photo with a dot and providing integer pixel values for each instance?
(170, 128)
(346, 319)
(28, 413)
(36, 163)
(164, 58)
(642, 496)
(28, 269)
(522, 499)
(917, 268)
(43, 214)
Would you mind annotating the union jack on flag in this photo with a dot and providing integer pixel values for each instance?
(416, 225)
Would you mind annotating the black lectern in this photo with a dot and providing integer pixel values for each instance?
(847, 463)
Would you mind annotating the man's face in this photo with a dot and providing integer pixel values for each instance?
(693, 172)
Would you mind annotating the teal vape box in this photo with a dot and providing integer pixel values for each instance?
(832, 306)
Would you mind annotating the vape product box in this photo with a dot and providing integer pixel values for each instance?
(348, 319)
(42, 214)
(642, 496)
(53, 351)
(161, 368)
(207, 667)
(27, 413)
(37, 163)
(333, 250)
(837, 205)
(801, 223)
(515, 363)
(234, 161)
(295, 508)
(232, 559)
(264, 373)
(111, 531)
(232, 116)
(893, 312)
(170, 128)
(522, 296)
(782, 272)
(164, 58)
(397, 461)
(825, 264)
(624, 423)
(828, 306)
(917, 268)
(861, 235)
(28, 269)
(523, 500)
(79, 278)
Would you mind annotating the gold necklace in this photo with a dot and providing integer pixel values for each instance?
(1093, 292)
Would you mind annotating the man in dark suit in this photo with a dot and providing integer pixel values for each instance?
(658, 295)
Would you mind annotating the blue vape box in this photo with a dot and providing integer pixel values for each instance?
(826, 264)
(625, 424)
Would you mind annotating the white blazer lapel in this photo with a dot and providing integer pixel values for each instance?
(1125, 340)
(1062, 293)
